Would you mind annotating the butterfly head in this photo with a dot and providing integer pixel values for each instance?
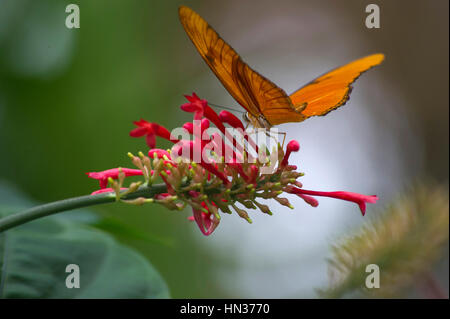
(256, 121)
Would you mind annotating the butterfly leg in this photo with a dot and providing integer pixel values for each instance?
(275, 139)
(284, 138)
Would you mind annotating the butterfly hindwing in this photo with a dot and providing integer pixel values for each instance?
(332, 89)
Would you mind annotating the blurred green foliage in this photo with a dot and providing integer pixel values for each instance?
(34, 257)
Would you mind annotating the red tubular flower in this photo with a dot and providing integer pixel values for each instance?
(103, 176)
(161, 131)
(189, 147)
(211, 115)
(151, 130)
(236, 123)
(158, 152)
(231, 119)
(293, 146)
(195, 106)
(197, 129)
(206, 222)
(144, 128)
(227, 152)
(189, 127)
(309, 199)
(106, 190)
(359, 199)
(204, 125)
(201, 109)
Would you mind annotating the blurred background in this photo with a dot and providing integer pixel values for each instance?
(68, 98)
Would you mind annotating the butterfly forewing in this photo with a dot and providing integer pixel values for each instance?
(255, 93)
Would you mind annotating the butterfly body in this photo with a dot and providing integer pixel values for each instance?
(267, 104)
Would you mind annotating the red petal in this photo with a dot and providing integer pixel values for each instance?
(150, 139)
(138, 132)
(189, 126)
(190, 107)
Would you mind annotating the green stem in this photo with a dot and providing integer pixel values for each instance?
(73, 203)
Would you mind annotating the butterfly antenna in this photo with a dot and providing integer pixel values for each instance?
(225, 108)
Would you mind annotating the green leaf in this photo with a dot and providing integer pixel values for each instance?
(34, 257)
(120, 229)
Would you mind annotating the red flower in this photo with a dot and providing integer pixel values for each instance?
(201, 109)
(359, 199)
(293, 146)
(189, 127)
(106, 190)
(190, 148)
(144, 128)
(151, 130)
(103, 176)
(231, 119)
(158, 152)
(206, 222)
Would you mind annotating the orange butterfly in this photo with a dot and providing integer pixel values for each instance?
(266, 103)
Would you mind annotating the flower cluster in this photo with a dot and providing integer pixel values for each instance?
(213, 172)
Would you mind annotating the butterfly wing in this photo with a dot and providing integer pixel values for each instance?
(255, 93)
(332, 89)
